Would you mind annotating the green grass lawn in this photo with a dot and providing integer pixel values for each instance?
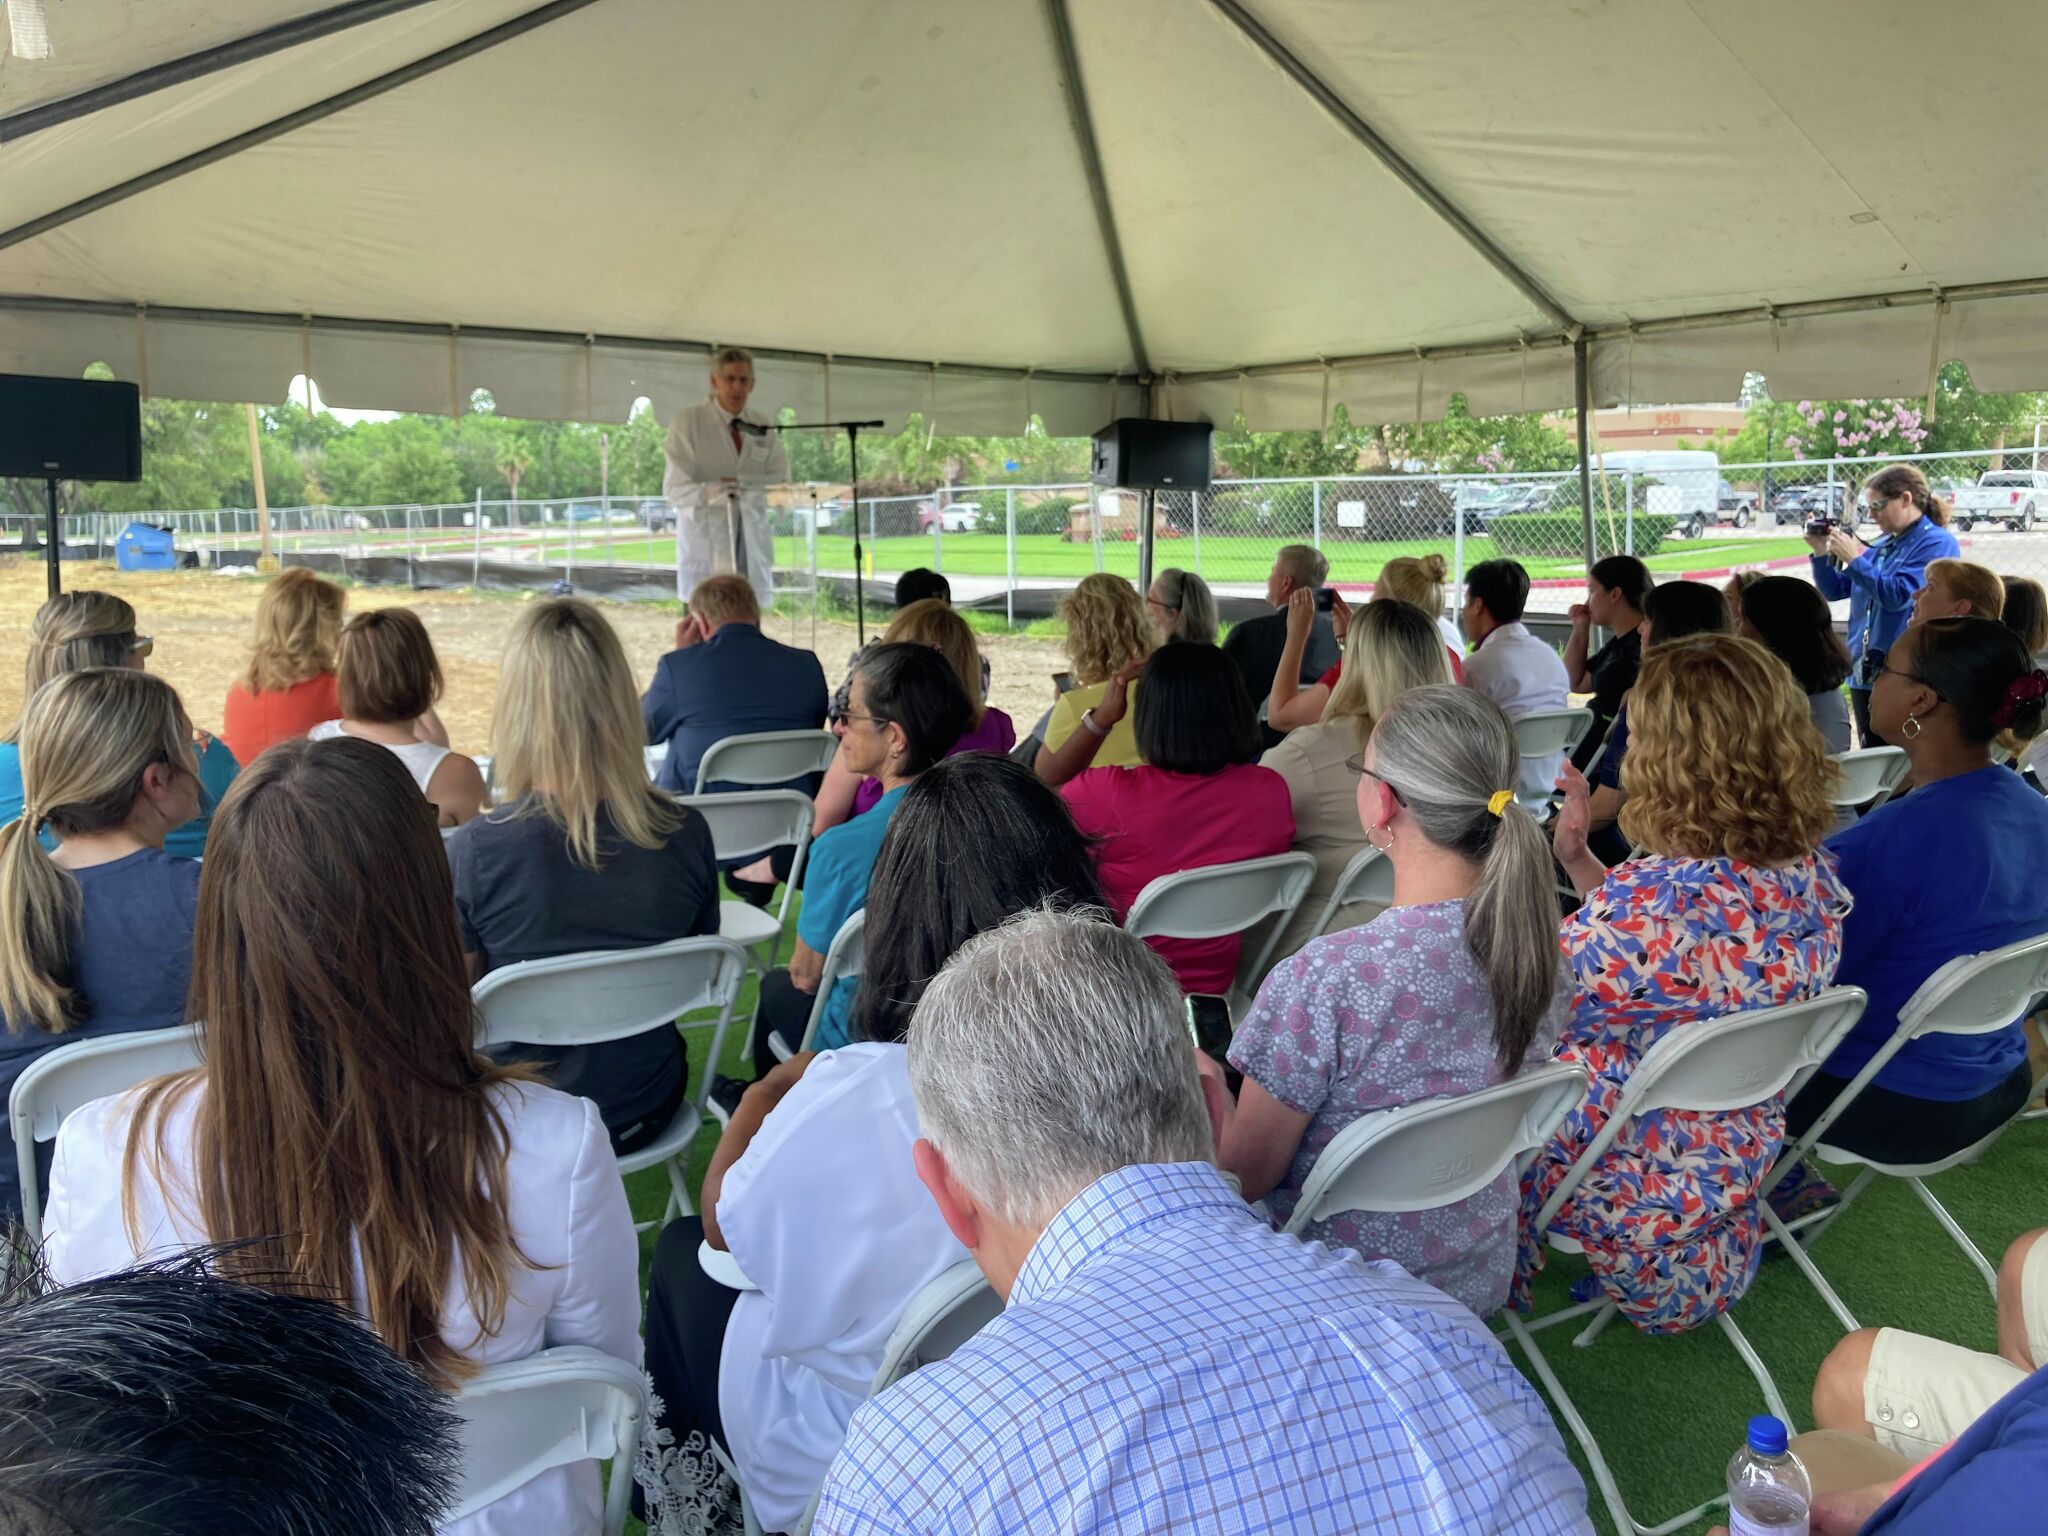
(1670, 1411)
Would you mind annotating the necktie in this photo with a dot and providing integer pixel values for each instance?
(733, 427)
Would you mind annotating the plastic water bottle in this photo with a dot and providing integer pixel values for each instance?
(1768, 1490)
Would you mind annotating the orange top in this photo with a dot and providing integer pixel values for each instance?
(257, 721)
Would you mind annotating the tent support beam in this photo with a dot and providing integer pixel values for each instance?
(369, 90)
(1068, 61)
(1394, 161)
(1582, 403)
(194, 66)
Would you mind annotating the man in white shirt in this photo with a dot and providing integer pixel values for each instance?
(1508, 664)
(721, 460)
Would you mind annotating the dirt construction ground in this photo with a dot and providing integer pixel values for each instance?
(201, 623)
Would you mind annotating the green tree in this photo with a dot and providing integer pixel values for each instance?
(1247, 455)
(1466, 444)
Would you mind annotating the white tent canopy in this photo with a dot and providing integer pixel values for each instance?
(985, 209)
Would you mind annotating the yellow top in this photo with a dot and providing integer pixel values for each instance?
(1118, 750)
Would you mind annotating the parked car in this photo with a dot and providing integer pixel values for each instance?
(953, 517)
(1803, 503)
(656, 516)
(2009, 496)
(1737, 507)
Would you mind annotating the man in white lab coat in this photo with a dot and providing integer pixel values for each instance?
(721, 456)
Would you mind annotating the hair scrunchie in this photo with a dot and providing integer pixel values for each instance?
(2028, 688)
(1499, 801)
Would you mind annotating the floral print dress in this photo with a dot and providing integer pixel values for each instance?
(1668, 1219)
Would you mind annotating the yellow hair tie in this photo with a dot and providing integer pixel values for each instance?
(1500, 800)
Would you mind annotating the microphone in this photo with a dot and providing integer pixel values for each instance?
(752, 429)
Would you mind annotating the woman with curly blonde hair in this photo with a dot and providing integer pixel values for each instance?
(1108, 631)
(288, 686)
(1731, 904)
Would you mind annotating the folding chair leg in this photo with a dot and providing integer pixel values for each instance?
(1954, 1230)
(1592, 1330)
(1791, 1244)
(1757, 1369)
(618, 1496)
(1617, 1507)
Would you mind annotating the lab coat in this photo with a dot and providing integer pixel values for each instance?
(700, 454)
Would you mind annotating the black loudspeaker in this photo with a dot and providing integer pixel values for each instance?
(1134, 454)
(69, 429)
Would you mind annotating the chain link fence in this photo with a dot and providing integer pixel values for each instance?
(1680, 511)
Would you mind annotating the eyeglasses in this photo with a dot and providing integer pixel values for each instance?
(142, 645)
(1877, 506)
(1356, 764)
(1886, 670)
(875, 720)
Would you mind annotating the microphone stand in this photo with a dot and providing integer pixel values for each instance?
(853, 430)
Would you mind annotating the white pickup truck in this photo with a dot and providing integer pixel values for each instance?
(2010, 496)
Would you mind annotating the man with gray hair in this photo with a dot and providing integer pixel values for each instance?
(1167, 1361)
(721, 459)
(1256, 644)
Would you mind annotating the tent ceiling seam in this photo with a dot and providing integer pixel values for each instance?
(1348, 118)
(276, 128)
(1067, 60)
(194, 66)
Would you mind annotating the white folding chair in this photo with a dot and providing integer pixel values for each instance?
(1971, 995)
(1547, 733)
(600, 995)
(745, 825)
(842, 963)
(1220, 899)
(56, 1083)
(1868, 778)
(523, 1417)
(950, 1309)
(1711, 1066)
(1368, 877)
(1423, 1156)
(766, 757)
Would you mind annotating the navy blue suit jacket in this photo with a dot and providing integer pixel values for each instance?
(734, 684)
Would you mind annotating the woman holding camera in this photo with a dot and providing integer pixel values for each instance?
(1880, 580)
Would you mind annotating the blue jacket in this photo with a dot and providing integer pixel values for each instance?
(734, 684)
(1880, 584)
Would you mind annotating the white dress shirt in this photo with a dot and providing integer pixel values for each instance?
(1454, 637)
(1522, 675)
(568, 1215)
(825, 1213)
(700, 454)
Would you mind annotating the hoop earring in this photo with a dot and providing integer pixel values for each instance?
(1911, 728)
(1385, 847)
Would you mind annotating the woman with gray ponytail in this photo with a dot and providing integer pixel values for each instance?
(1398, 1010)
(95, 938)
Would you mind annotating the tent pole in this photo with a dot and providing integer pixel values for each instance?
(53, 557)
(1582, 401)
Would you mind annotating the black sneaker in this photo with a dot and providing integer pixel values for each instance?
(726, 1093)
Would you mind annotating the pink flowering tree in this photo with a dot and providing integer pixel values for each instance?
(1855, 429)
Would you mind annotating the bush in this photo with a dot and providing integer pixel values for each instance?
(1049, 516)
(1561, 534)
(1246, 510)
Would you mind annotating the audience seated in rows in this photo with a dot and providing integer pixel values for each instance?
(75, 630)
(1456, 986)
(913, 586)
(1165, 1361)
(1407, 579)
(1107, 632)
(928, 622)
(343, 1130)
(582, 853)
(1951, 869)
(1257, 644)
(1390, 648)
(818, 1201)
(1954, 589)
(169, 1400)
(388, 680)
(907, 710)
(726, 677)
(1731, 905)
(1788, 618)
(1509, 665)
(1198, 797)
(1182, 607)
(2026, 614)
(1616, 590)
(288, 684)
(95, 938)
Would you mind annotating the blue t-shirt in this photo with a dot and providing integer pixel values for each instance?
(217, 770)
(131, 958)
(835, 887)
(1951, 869)
(1990, 1480)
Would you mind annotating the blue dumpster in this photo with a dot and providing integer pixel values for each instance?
(143, 548)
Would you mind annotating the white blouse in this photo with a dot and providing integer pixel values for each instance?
(825, 1213)
(568, 1214)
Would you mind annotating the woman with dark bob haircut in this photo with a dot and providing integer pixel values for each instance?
(1198, 798)
(813, 1188)
(1791, 621)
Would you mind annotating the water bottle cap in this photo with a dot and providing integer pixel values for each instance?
(1767, 1435)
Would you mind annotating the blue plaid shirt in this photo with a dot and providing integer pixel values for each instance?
(1168, 1362)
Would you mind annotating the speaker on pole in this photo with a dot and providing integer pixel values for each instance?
(68, 429)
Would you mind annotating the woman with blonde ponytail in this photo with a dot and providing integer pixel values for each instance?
(1456, 986)
(95, 938)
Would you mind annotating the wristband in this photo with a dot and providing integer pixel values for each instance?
(1097, 731)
